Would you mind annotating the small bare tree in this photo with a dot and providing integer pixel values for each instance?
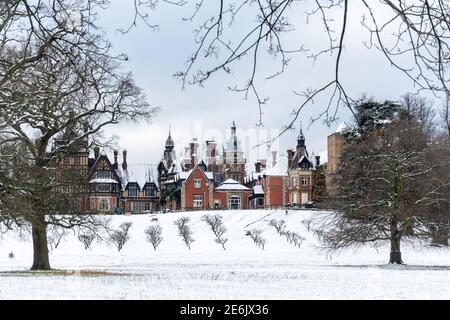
(86, 237)
(307, 224)
(154, 235)
(297, 239)
(217, 227)
(121, 236)
(184, 231)
(278, 225)
(255, 234)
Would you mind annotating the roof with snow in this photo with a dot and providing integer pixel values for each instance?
(231, 184)
(258, 189)
(100, 180)
(184, 175)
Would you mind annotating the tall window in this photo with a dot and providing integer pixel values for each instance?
(304, 181)
(293, 181)
(149, 192)
(294, 198)
(104, 205)
(198, 201)
(235, 202)
(77, 161)
(197, 183)
(132, 191)
(138, 206)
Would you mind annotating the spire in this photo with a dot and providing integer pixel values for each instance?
(124, 162)
(233, 128)
(301, 137)
(169, 141)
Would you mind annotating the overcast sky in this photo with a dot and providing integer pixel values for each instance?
(154, 56)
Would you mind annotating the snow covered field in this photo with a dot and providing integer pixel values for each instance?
(243, 271)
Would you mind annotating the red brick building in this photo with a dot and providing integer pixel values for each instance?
(232, 195)
(197, 189)
(301, 174)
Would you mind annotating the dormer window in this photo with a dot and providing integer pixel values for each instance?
(132, 191)
(304, 165)
(149, 192)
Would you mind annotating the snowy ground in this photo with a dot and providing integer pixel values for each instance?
(243, 271)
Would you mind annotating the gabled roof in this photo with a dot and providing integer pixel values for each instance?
(150, 183)
(94, 165)
(185, 175)
(231, 184)
(131, 183)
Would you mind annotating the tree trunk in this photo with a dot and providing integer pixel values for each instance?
(40, 248)
(396, 255)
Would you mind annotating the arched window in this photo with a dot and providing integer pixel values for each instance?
(294, 197)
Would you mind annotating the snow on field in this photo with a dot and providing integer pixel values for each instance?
(243, 271)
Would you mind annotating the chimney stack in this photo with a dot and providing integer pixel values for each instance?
(258, 166)
(115, 165)
(96, 152)
(274, 158)
(263, 164)
(124, 163)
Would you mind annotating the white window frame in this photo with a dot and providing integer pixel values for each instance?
(304, 181)
(197, 201)
(197, 183)
(231, 202)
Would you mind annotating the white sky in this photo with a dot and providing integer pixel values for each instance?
(154, 56)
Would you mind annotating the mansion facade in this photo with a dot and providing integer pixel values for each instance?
(224, 180)
(221, 179)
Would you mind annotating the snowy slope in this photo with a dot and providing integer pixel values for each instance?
(243, 271)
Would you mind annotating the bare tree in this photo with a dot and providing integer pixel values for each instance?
(255, 234)
(184, 231)
(60, 86)
(154, 235)
(87, 237)
(217, 227)
(412, 37)
(120, 237)
(445, 116)
(279, 225)
(417, 108)
(386, 188)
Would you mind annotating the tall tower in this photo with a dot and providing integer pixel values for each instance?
(168, 151)
(301, 145)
